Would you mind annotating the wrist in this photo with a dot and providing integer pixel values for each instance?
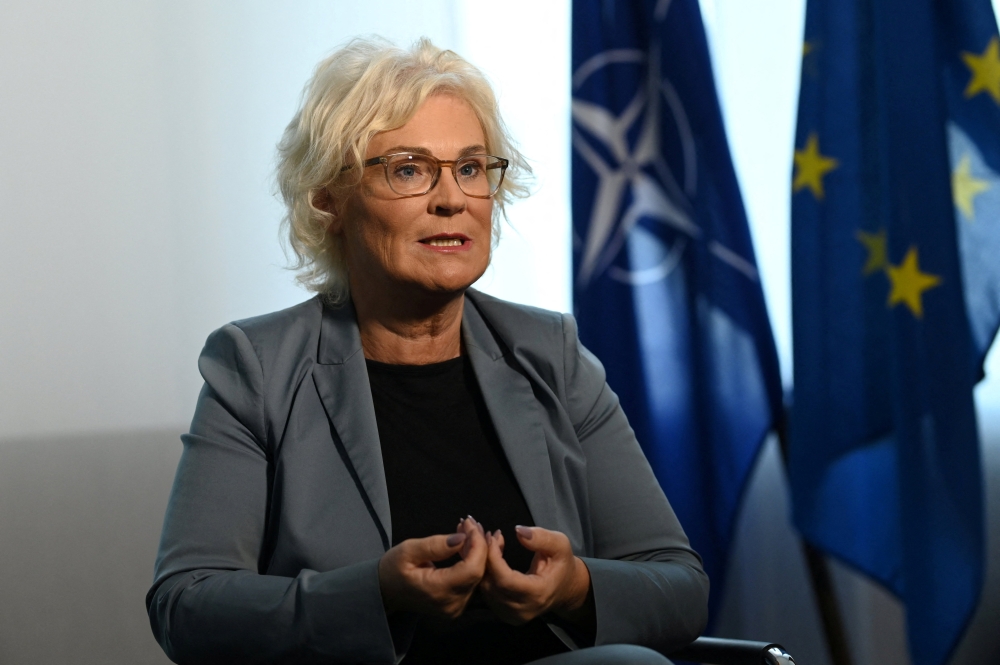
(575, 604)
(385, 586)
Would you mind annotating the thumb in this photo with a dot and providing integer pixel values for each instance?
(543, 541)
(436, 548)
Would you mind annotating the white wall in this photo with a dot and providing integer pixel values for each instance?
(136, 150)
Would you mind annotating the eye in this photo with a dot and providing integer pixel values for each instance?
(408, 171)
(470, 169)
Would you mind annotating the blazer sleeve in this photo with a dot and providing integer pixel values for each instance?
(648, 584)
(209, 603)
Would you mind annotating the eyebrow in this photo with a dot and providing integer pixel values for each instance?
(468, 150)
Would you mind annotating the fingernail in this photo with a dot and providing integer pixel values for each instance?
(523, 531)
(455, 539)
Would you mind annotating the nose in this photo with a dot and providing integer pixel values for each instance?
(446, 198)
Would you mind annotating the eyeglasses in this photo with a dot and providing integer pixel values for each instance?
(411, 174)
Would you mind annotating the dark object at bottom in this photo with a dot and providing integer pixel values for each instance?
(721, 651)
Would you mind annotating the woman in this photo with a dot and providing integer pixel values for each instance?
(336, 443)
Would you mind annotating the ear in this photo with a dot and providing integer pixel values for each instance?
(323, 199)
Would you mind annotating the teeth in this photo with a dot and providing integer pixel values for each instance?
(444, 242)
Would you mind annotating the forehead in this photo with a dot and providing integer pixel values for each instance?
(444, 125)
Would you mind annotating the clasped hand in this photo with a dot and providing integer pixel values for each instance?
(557, 581)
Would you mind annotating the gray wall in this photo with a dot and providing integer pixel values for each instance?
(79, 525)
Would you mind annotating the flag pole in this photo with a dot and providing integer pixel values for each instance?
(822, 584)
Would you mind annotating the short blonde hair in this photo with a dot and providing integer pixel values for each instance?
(366, 87)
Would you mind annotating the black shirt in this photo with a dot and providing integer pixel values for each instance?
(443, 461)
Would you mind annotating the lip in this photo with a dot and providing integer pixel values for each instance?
(464, 247)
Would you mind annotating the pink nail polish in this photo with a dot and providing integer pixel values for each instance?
(523, 531)
(455, 539)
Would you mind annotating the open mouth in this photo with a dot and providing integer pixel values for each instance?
(445, 240)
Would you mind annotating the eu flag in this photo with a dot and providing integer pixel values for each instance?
(896, 296)
(666, 290)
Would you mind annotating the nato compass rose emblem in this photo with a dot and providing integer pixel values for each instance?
(637, 190)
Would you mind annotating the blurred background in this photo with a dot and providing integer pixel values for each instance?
(137, 214)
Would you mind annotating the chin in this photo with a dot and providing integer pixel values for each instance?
(453, 280)
(450, 284)
(451, 287)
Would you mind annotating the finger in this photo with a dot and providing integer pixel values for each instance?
(498, 588)
(500, 579)
(475, 550)
(475, 537)
(420, 551)
(465, 528)
(513, 596)
(495, 563)
(464, 576)
(537, 539)
(460, 580)
(495, 536)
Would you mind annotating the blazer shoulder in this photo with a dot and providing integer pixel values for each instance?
(541, 341)
(548, 343)
(284, 320)
(521, 326)
(297, 320)
(283, 339)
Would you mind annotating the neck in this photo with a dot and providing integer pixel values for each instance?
(416, 329)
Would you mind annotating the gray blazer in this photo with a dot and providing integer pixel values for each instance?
(279, 511)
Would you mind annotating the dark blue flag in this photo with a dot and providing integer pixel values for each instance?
(896, 296)
(666, 289)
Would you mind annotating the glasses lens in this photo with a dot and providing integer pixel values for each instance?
(479, 175)
(410, 174)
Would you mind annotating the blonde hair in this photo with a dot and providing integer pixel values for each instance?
(366, 87)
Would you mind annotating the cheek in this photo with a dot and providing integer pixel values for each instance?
(485, 217)
(381, 231)
(361, 235)
(365, 221)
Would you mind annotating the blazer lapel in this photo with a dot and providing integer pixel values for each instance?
(515, 412)
(341, 378)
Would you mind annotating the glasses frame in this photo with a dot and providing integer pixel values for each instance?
(501, 164)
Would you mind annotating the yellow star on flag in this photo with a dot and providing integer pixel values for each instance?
(875, 243)
(965, 187)
(807, 48)
(909, 284)
(985, 70)
(811, 166)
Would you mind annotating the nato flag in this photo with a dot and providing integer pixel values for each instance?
(896, 296)
(666, 287)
